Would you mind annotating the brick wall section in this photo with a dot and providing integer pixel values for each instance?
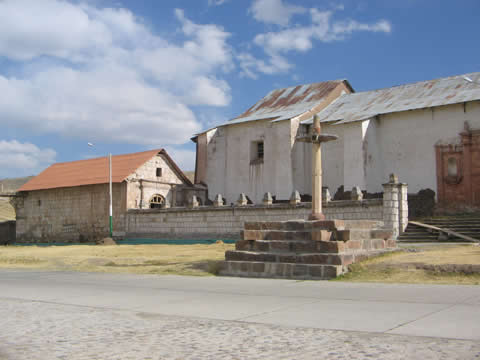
(208, 222)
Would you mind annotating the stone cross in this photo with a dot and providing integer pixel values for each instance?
(316, 139)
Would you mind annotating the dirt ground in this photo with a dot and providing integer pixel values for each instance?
(440, 264)
(433, 264)
(199, 260)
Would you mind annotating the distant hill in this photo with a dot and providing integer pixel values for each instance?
(11, 185)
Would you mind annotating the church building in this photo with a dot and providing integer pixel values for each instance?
(428, 133)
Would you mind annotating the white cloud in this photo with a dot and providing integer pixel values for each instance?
(101, 74)
(274, 11)
(185, 159)
(276, 44)
(216, 2)
(23, 158)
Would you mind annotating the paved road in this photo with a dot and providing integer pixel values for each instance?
(54, 315)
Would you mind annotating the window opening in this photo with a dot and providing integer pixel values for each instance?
(452, 168)
(157, 202)
(260, 150)
(159, 172)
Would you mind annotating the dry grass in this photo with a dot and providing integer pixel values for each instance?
(401, 267)
(198, 260)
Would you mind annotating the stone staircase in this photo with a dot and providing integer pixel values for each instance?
(304, 249)
(468, 225)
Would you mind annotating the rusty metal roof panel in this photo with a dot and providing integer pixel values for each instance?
(364, 105)
(88, 172)
(283, 104)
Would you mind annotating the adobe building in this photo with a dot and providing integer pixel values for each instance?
(257, 151)
(427, 132)
(69, 202)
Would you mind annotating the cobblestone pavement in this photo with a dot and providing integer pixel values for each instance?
(43, 331)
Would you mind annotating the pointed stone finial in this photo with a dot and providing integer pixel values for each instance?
(357, 194)
(242, 200)
(194, 203)
(295, 199)
(326, 197)
(393, 179)
(218, 201)
(267, 199)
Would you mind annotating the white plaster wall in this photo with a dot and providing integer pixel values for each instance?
(163, 185)
(407, 140)
(229, 168)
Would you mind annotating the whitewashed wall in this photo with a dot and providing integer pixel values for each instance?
(229, 169)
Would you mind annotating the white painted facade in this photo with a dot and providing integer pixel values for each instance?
(380, 132)
(232, 166)
(365, 154)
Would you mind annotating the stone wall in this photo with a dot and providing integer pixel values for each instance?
(226, 222)
(74, 214)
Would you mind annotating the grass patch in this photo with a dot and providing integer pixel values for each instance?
(198, 260)
(406, 266)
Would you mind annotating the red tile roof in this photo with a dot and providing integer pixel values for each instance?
(94, 171)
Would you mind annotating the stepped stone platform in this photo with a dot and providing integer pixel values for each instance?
(305, 250)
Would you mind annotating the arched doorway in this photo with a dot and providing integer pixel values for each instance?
(157, 202)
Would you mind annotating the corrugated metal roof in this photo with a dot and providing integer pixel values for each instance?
(364, 105)
(93, 171)
(283, 104)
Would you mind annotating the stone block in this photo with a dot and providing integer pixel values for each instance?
(382, 234)
(245, 245)
(331, 271)
(252, 235)
(390, 243)
(314, 259)
(300, 270)
(378, 244)
(316, 271)
(280, 246)
(258, 267)
(321, 235)
(328, 224)
(330, 246)
(354, 244)
(260, 245)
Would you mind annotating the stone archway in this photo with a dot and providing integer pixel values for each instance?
(157, 201)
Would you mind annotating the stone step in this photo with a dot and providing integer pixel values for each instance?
(290, 257)
(295, 225)
(297, 247)
(281, 270)
(416, 240)
(361, 234)
(288, 235)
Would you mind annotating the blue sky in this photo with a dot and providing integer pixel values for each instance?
(135, 75)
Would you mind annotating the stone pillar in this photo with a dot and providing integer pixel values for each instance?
(391, 206)
(194, 203)
(402, 207)
(267, 199)
(242, 200)
(218, 200)
(356, 194)
(316, 174)
(295, 198)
